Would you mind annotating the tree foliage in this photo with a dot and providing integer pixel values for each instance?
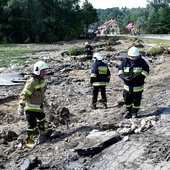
(53, 20)
(42, 20)
(159, 23)
(89, 15)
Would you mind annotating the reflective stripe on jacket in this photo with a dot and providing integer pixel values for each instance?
(33, 107)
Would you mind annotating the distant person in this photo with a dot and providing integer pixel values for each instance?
(31, 101)
(133, 71)
(100, 76)
(88, 50)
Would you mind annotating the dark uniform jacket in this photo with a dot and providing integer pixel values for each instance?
(136, 72)
(89, 50)
(100, 74)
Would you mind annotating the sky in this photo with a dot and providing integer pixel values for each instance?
(103, 4)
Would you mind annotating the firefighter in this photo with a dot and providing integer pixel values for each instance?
(133, 72)
(88, 50)
(31, 100)
(100, 76)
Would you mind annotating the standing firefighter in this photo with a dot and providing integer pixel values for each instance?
(133, 72)
(88, 50)
(100, 76)
(32, 99)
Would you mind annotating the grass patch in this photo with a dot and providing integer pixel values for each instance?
(8, 57)
(8, 45)
(75, 51)
(159, 42)
(153, 51)
(12, 53)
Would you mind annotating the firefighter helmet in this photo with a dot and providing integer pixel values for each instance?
(38, 66)
(133, 52)
(86, 43)
(97, 56)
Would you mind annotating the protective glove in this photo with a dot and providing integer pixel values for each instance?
(20, 110)
(127, 78)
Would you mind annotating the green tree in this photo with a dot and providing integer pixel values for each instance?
(89, 15)
(159, 23)
(32, 17)
(70, 20)
(12, 19)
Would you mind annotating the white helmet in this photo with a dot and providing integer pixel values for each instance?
(86, 43)
(97, 56)
(38, 66)
(133, 52)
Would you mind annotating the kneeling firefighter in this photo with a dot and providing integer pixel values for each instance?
(31, 100)
(133, 71)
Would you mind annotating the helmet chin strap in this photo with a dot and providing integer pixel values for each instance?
(133, 59)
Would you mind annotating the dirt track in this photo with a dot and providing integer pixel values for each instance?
(69, 87)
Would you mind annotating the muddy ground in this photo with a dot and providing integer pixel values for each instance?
(94, 139)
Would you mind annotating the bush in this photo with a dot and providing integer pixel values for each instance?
(155, 51)
(76, 51)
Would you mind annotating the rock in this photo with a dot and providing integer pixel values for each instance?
(45, 136)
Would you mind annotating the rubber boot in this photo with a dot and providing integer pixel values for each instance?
(134, 113)
(104, 105)
(128, 113)
(93, 106)
(29, 138)
(41, 127)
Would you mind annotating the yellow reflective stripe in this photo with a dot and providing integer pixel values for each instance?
(130, 105)
(126, 87)
(120, 72)
(138, 89)
(136, 107)
(28, 92)
(137, 69)
(93, 75)
(126, 69)
(22, 101)
(102, 69)
(135, 89)
(99, 84)
(31, 130)
(41, 120)
(32, 107)
(26, 89)
(145, 73)
(40, 85)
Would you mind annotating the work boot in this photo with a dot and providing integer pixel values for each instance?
(134, 113)
(104, 105)
(29, 139)
(41, 127)
(93, 106)
(128, 113)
